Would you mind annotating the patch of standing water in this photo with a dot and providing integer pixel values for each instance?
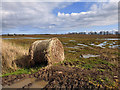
(92, 44)
(26, 38)
(65, 43)
(82, 44)
(89, 55)
(75, 47)
(23, 82)
(71, 51)
(115, 46)
(39, 84)
(102, 45)
(72, 40)
(109, 39)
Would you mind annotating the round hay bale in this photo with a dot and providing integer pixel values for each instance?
(46, 51)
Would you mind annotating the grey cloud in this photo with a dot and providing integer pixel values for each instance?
(39, 15)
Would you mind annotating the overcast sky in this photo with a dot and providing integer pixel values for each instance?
(58, 17)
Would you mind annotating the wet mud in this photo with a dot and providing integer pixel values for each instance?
(52, 77)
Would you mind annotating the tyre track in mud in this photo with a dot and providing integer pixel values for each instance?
(52, 77)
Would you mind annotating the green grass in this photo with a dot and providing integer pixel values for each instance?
(89, 63)
(24, 71)
(101, 70)
(20, 71)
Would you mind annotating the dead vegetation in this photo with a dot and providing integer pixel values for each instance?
(10, 53)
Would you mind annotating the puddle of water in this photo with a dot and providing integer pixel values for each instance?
(39, 84)
(114, 46)
(21, 83)
(65, 43)
(89, 55)
(71, 51)
(26, 38)
(92, 44)
(109, 39)
(82, 44)
(72, 40)
(114, 42)
(102, 45)
(111, 44)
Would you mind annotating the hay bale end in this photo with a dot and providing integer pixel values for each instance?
(48, 51)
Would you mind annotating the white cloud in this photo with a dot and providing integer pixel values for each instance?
(61, 1)
(99, 15)
(40, 15)
(21, 14)
(75, 14)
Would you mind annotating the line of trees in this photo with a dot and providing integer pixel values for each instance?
(84, 33)
(97, 33)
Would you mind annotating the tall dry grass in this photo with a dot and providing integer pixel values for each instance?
(10, 53)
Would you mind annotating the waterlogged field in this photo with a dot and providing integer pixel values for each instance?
(96, 55)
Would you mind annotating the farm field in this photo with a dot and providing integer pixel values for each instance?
(91, 61)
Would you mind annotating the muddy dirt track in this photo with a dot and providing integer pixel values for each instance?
(52, 77)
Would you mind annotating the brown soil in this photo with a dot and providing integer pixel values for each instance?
(54, 77)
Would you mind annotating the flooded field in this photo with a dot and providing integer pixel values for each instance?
(96, 57)
(89, 55)
(26, 38)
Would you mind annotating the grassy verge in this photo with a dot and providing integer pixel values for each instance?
(24, 71)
